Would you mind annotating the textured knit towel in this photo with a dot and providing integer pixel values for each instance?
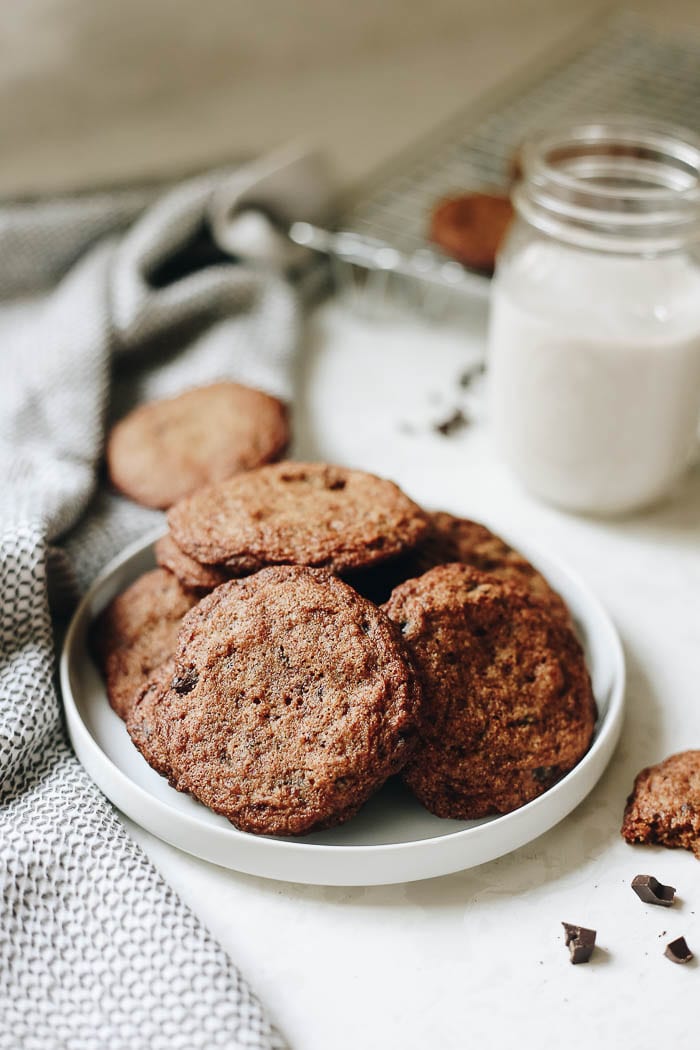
(106, 300)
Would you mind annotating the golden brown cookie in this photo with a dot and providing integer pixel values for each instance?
(471, 228)
(458, 539)
(508, 706)
(293, 699)
(137, 632)
(297, 514)
(164, 450)
(664, 807)
(190, 573)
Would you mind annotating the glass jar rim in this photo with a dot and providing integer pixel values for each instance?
(615, 183)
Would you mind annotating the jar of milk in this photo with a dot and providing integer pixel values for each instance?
(595, 316)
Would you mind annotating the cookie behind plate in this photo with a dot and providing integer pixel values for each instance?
(164, 450)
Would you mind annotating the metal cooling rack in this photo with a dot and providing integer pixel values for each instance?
(382, 252)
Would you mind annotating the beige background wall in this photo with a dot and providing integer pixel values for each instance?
(103, 90)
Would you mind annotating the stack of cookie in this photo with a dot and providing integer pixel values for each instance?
(310, 631)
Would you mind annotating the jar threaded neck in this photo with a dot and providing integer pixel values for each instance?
(618, 185)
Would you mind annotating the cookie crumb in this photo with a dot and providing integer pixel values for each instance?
(467, 377)
(452, 424)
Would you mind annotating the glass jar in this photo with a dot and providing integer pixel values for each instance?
(595, 316)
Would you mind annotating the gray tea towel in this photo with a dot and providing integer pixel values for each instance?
(105, 300)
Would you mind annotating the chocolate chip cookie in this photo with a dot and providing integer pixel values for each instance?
(141, 722)
(453, 539)
(297, 514)
(508, 706)
(165, 450)
(471, 228)
(293, 699)
(190, 573)
(137, 632)
(664, 807)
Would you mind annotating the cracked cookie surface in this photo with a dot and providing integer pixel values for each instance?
(297, 514)
(291, 702)
(508, 706)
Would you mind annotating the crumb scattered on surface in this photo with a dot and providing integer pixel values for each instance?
(467, 377)
(454, 422)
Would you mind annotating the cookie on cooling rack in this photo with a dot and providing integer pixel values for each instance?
(471, 228)
(508, 706)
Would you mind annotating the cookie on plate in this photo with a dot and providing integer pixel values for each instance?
(508, 706)
(137, 632)
(141, 721)
(457, 539)
(293, 699)
(164, 450)
(297, 514)
(191, 574)
(664, 807)
(471, 228)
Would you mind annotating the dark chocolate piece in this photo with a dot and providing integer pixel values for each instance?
(579, 941)
(454, 422)
(678, 951)
(651, 891)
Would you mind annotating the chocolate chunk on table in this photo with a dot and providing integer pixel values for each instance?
(678, 951)
(579, 941)
(651, 891)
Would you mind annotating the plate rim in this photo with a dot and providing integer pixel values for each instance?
(84, 742)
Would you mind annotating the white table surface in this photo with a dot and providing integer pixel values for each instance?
(477, 959)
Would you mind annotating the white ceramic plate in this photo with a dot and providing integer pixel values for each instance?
(393, 839)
